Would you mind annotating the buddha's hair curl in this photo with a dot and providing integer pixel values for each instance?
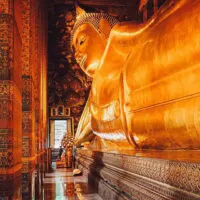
(93, 19)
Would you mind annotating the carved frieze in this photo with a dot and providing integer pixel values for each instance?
(144, 178)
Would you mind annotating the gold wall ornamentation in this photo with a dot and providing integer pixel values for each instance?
(18, 125)
(10, 103)
(60, 111)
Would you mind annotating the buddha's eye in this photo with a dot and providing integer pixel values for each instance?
(82, 40)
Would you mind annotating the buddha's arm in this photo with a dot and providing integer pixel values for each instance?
(126, 35)
(125, 38)
(86, 135)
(118, 46)
(122, 40)
(84, 131)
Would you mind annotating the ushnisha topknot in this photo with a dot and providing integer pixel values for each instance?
(91, 18)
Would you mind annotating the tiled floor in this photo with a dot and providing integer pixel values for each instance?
(62, 185)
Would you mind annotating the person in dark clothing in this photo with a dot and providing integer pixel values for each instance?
(74, 155)
(60, 152)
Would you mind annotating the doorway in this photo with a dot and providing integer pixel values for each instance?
(58, 128)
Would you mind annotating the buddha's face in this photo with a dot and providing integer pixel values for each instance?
(89, 47)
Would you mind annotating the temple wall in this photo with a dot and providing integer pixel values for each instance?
(22, 93)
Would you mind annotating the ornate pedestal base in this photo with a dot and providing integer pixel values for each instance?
(130, 177)
(60, 164)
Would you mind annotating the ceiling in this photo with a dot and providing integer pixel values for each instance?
(124, 3)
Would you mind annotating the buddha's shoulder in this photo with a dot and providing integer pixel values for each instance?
(126, 27)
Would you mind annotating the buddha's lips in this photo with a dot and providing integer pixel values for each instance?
(81, 61)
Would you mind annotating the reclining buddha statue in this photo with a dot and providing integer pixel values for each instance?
(145, 92)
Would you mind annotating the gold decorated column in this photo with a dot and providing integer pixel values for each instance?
(10, 100)
(34, 70)
(28, 131)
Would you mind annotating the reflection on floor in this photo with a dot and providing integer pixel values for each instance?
(61, 185)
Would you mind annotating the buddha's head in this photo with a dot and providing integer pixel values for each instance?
(89, 37)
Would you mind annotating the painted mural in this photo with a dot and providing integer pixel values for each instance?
(67, 83)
